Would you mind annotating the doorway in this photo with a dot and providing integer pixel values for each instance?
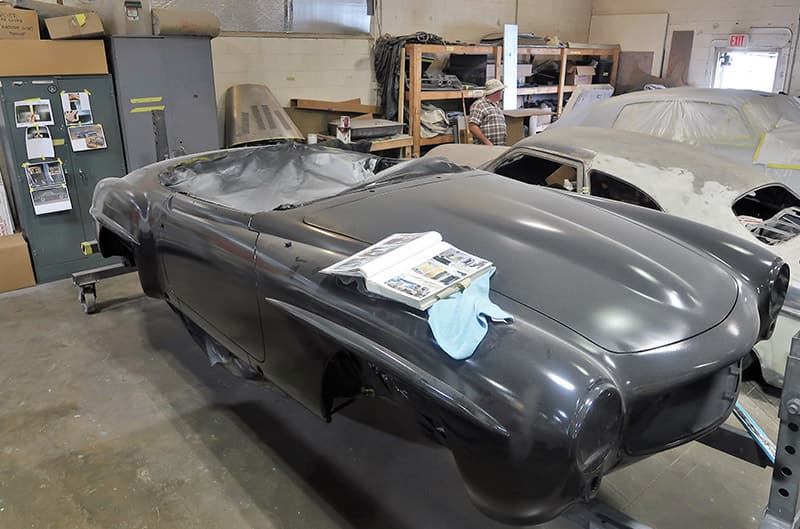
(746, 69)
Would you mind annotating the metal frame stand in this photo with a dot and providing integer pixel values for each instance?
(782, 508)
(86, 281)
(751, 445)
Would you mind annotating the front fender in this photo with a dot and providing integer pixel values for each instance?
(756, 267)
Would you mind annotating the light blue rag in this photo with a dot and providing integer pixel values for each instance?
(459, 322)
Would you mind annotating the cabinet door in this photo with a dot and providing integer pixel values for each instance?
(91, 166)
(192, 109)
(54, 238)
(139, 78)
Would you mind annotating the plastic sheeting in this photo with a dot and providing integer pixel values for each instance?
(287, 175)
(716, 118)
(687, 122)
(780, 147)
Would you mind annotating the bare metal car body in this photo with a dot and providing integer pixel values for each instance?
(618, 348)
(671, 177)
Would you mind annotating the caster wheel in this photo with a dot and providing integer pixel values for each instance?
(88, 300)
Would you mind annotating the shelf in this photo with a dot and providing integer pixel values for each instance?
(534, 90)
(437, 140)
(432, 95)
(392, 143)
(459, 49)
(592, 51)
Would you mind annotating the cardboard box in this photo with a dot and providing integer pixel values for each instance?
(18, 24)
(579, 74)
(81, 26)
(53, 57)
(182, 22)
(15, 263)
(515, 122)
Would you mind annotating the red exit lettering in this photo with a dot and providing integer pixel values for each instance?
(738, 41)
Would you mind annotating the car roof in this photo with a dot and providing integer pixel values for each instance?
(763, 109)
(726, 96)
(592, 145)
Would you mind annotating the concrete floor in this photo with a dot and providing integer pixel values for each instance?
(115, 420)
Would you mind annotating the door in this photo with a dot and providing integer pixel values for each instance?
(208, 255)
(54, 237)
(192, 110)
(166, 97)
(140, 81)
(91, 166)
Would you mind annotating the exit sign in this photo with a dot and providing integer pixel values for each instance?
(739, 40)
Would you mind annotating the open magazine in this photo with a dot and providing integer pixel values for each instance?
(413, 268)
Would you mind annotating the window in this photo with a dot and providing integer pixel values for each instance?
(746, 70)
(771, 213)
(687, 122)
(606, 186)
(283, 16)
(539, 171)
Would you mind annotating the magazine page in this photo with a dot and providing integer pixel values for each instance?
(434, 273)
(384, 254)
(457, 260)
(408, 288)
(442, 264)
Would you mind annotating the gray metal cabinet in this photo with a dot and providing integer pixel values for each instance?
(166, 98)
(54, 238)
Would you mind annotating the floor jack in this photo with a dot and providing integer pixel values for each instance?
(86, 280)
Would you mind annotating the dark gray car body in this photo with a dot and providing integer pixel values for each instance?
(629, 324)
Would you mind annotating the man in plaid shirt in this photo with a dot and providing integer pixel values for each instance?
(486, 120)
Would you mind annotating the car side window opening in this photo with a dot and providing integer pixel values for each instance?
(540, 171)
(604, 185)
(771, 213)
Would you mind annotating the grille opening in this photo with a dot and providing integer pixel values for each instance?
(771, 213)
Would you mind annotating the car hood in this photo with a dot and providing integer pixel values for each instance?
(621, 285)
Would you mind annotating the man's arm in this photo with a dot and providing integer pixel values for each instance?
(478, 133)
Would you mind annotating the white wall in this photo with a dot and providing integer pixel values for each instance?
(339, 69)
(711, 20)
(330, 69)
(469, 20)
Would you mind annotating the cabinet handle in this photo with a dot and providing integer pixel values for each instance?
(83, 175)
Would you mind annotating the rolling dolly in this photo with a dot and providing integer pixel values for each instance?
(86, 280)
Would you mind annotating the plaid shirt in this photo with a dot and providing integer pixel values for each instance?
(489, 117)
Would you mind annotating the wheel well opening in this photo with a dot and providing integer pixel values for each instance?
(341, 382)
(111, 245)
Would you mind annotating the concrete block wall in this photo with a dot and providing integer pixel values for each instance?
(713, 20)
(317, 68)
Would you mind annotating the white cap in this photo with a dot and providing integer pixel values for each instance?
(492, 86)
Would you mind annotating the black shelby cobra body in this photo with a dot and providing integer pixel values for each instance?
(629, 324)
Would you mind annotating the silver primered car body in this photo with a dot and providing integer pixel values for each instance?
(734, 123)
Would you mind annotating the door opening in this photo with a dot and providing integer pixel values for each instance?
(746, 69)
